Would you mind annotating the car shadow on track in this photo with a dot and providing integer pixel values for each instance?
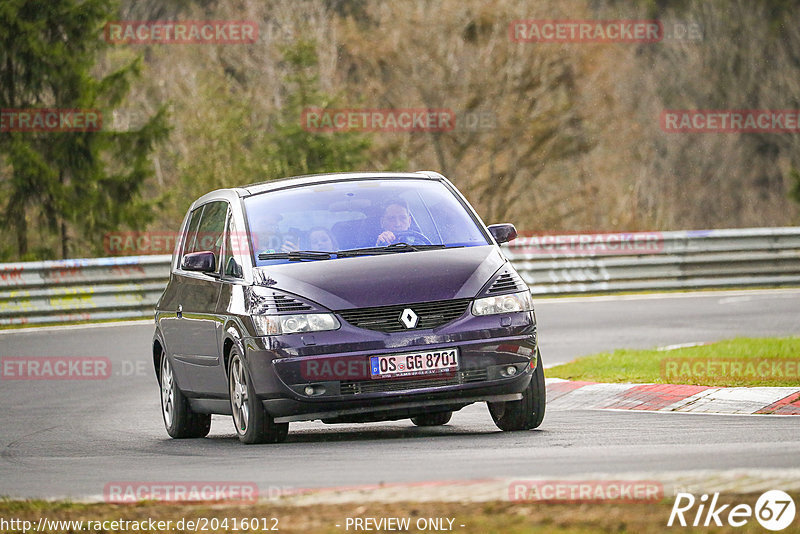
(334, 435)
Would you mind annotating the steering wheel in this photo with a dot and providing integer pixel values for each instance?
(411, 237)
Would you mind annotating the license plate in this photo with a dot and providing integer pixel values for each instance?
(414, 363)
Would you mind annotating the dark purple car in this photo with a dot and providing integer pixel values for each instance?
(346, 298)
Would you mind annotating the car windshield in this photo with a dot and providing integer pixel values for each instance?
(393, 215)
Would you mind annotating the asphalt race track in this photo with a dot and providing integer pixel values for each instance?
(71, 438)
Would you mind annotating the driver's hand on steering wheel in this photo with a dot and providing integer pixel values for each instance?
(386, 238)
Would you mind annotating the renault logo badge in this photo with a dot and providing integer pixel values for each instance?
(409, 318)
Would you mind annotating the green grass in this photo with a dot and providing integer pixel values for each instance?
(762, 360)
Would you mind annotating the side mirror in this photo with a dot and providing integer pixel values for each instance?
(503, 233)
(232, 268)
(204, 262)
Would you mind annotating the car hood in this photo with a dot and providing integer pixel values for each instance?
(382, 280)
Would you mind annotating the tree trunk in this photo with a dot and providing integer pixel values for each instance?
(63, 224)
(21, 226)
(64, 241)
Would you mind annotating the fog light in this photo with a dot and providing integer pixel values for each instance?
(315, 390)
(511, 370)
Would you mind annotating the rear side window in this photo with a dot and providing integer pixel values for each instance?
(191, 230)
(206, 228)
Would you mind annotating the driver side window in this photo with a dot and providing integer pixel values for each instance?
(206, 229)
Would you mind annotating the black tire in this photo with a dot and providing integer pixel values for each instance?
(252, 422)
(432, 419)
(180, 420)
(523, 414)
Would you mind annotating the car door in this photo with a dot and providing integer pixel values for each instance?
(169, 314)
(195, 339)
(229, 303)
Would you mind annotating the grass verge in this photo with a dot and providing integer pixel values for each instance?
(77, 322)
(736, 362)
(476, 518)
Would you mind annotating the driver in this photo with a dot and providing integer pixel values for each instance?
(395, 220)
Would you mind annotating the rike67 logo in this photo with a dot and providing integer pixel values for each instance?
(774, 510)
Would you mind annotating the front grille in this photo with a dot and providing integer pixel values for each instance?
(507, 283)
(387, 318)
(389, 384)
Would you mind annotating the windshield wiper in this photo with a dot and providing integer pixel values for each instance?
(300, 255)
(389, 249)
(295, 255)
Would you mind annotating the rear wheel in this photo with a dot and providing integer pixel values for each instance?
(432, 419)
(523, 414)
(179, 418)
(253, 423)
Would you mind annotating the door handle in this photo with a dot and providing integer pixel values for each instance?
(179, 313)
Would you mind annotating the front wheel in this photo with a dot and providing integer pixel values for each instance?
(523, 414)
(253, 423)
(432, 419)
(179, 418)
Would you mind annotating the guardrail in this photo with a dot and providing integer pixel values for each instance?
(127, 287)
(605, 263)
(83, 289)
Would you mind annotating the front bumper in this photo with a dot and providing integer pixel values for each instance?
(335, 366)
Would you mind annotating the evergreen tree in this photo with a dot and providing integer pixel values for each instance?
(68, 185)
(296, 150)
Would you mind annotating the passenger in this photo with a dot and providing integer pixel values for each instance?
(267, 236)
(320, 238)
(291, 241)
(265, 232)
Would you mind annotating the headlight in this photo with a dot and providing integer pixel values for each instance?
(273, 325)
(515, 302)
